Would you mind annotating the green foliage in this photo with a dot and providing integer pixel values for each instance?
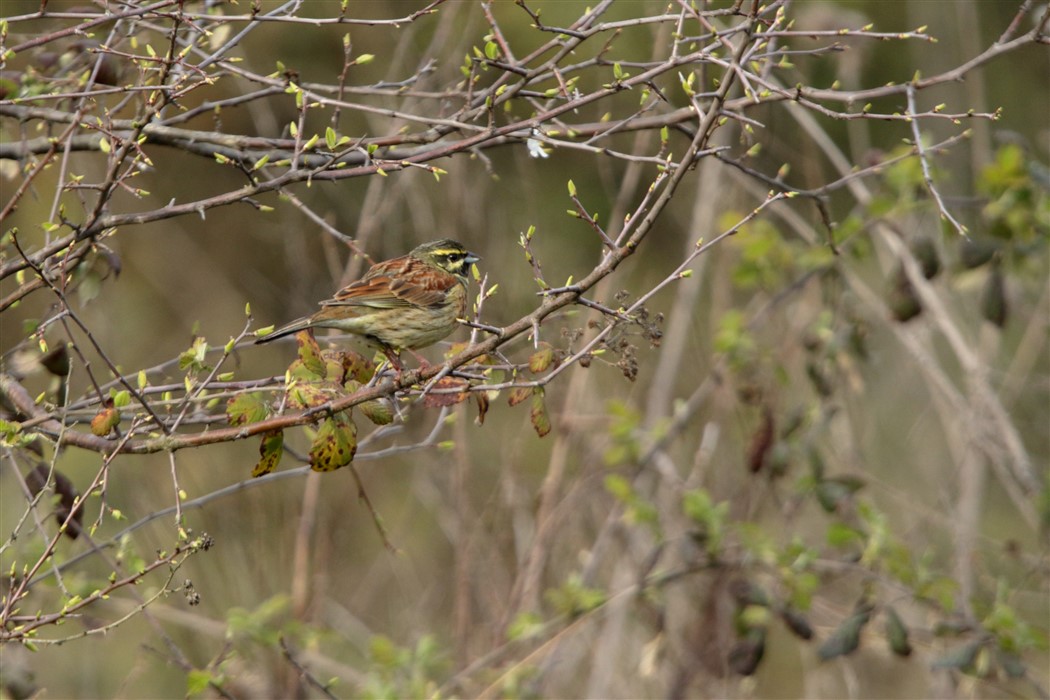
(403, 672)
(198, 681)
(264, 625)
(904, 179)
(623, 430)
(637, 509)
(708, 517)
(766, 259)
(734, 339)
(526, 624)
(192, 359)
(1018, 191)
(573, 599)
(1013, 633)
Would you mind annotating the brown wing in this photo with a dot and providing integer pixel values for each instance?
(404, 281)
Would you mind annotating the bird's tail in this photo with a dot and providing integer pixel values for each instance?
(288, 329)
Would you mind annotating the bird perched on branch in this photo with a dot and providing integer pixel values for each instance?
(408, 302)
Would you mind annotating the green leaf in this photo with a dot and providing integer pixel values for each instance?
(247, 408)
(542, 359)
(330, 138)
(310, 355)
(574, 599)
(335, 443)
(270, 451)
(619, 487)
(358, 366)
(961, 657)
(708, 516)
(377, 411)
(518, 394)
(797, 623)
(197, 681)
(193, 358)
(540, 420)
(834, 492)
(526, 624)
(121, 398)
(846, 638)
(896, 633)
(842, 535)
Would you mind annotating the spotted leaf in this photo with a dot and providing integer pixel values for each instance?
(270, 450)
(335, 444)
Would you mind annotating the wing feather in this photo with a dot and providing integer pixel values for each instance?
(401, 282)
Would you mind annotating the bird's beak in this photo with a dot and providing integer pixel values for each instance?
(471, 258)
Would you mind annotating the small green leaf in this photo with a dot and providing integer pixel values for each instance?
(330, 138)
(197, 681)
(193, 358)
(572, 188)
(121, 398)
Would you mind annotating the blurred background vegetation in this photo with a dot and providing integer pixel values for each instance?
(800, 489)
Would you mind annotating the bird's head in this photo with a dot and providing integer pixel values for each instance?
(447, 255)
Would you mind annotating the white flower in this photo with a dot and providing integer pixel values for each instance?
(536, 149)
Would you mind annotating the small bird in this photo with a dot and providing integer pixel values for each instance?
(408, 302)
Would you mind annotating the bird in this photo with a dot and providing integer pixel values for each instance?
(404, 303)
